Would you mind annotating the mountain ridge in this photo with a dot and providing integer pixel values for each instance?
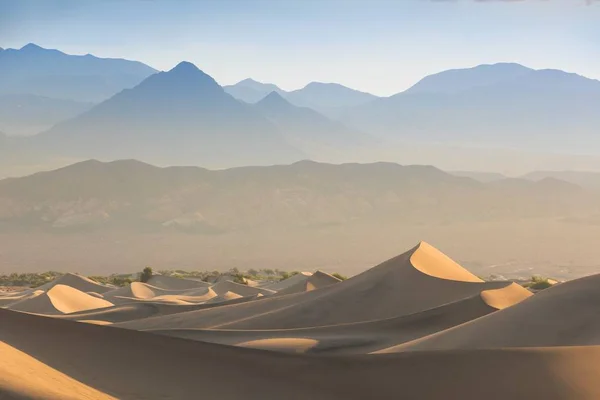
(52, 73)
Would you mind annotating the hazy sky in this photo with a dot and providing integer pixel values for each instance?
(380, 46)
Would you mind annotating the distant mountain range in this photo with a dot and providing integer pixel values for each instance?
(504, 105)
(327, 98)
(252, 91)
(586, 179)
(50, 73)
(305, 127)
(134, 195)
(184, 117)
(41, 87)
(87, 107)
(177, 117)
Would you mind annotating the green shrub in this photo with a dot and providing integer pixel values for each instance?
(339, 276)
(146, 275)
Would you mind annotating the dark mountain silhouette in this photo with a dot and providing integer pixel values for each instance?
(303, 125)
(545, 110)
(52, 73)
(177, 117)
(28, 114)
(251, 91)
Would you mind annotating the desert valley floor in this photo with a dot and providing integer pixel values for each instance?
(418, 326)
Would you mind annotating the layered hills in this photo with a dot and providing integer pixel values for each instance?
(134, 195)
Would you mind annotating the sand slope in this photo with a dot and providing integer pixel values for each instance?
(392, 289)
(354, 338)
(170, 283)
(134, 310)
(223, 287)
(8, 300)
(137, 365)
(139, 291)
(563, 315)
(292, 280)
(24, 377)
(317, 280)
(60, 299)
(77, 282)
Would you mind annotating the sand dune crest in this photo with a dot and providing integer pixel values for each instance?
(60, 299)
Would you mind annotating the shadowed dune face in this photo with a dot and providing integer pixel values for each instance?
(60, 299)
(564, 315)
(140, 292)
(354, 338)
(176, 368)
(317, 280)
(169, 283)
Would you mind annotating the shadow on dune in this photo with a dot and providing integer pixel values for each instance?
(136, 365)
(353, 338)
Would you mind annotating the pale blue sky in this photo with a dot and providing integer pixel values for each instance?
(380, 46)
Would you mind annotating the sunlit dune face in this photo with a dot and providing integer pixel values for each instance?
(289, 345)
(20, 373)
(432, 262)
(505, 297)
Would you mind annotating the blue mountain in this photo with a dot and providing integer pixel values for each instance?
(177, 117)
(54, 74)
(504, 105)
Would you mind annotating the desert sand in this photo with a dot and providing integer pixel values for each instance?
(417, 326)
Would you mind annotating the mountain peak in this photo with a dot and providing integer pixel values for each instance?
(248, 81)
(185, 77)
(459, 80)
(264, 88)
(274, 101)
(31, 47)
(321, 84)
(185, 66)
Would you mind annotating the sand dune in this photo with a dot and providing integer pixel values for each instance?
(317, 280)
(418, 326)
(391, 289)
(355, 338)
(24, 377)
(137, 365)
(225, 296)
(564, 315)
(223, 287)
(77, 282)
(138, 310)
(60, 299)
(18, 297)
(292, 280)
(139, 291)
(170, 283)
